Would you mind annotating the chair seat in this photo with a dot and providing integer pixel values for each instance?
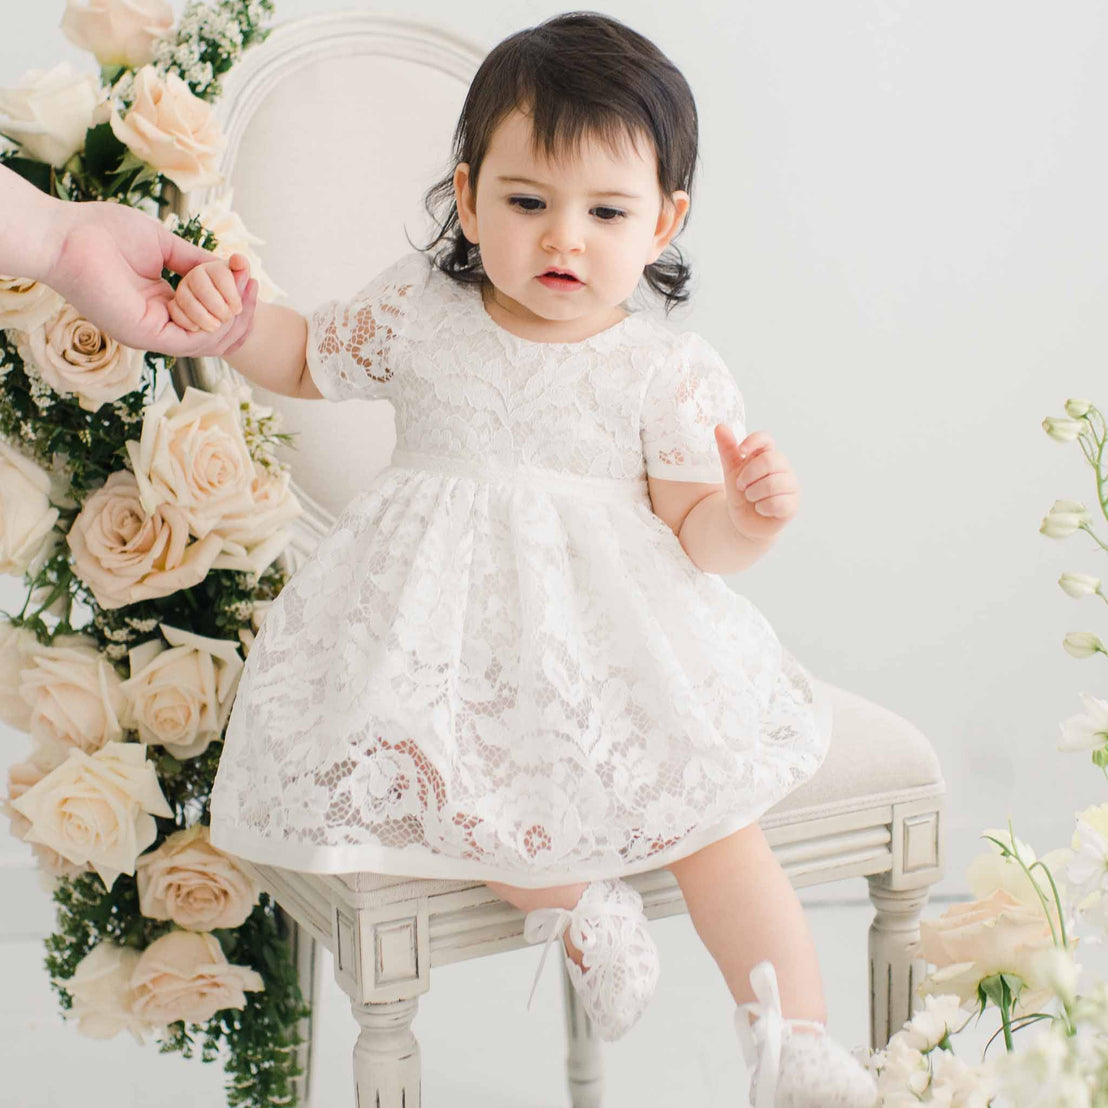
(875, 757)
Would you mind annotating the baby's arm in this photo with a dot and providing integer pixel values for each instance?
(273, 351)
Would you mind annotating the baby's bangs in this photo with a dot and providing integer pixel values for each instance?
(562, 124)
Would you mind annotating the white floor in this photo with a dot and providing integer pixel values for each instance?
(480, 1048)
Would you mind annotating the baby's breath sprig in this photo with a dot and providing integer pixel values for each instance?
(209, 39)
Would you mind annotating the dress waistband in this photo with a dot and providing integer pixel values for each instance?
(619, 489)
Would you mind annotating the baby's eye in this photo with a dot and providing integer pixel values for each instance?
(519, 201)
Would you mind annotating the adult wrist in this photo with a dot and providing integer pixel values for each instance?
(35, 226)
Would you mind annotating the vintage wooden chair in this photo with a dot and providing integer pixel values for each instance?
(335, 126)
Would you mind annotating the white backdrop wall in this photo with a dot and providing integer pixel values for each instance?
(900, 242)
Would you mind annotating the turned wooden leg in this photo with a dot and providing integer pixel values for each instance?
(584, 1057)
(386, 1055)
(894, 972)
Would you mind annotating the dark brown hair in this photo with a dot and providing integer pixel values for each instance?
(576, 74)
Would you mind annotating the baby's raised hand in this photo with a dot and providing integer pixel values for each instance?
(761, 487)
(208, 299)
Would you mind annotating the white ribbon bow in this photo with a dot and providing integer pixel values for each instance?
(551, 923)
(763, 979)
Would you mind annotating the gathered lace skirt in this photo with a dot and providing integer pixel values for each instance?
(514, 676)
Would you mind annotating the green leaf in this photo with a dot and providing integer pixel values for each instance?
(103, 150)
(38, 173)
(994, 988)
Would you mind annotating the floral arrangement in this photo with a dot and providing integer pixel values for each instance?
(163, 517)
(1013, 947)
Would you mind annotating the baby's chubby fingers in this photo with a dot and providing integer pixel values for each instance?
(734, 454)
(231, 281)
(177, 315)
(209, 296)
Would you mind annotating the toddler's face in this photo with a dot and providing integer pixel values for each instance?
(565, 216)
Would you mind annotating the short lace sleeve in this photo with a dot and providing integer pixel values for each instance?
(689, 393)
(353, 344)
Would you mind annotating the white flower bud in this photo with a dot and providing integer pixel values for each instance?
(1063, 430)
(1082, 644)
(1078, 408)
(1079, 584)
(1064, 517)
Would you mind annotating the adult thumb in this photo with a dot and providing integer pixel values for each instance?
(179, 255)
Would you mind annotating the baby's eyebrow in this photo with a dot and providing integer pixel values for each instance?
(542, 184)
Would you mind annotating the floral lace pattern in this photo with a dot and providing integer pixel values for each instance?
(788, 1069)
(498, 663)
(620, 957)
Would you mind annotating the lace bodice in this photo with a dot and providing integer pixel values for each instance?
(639, 396)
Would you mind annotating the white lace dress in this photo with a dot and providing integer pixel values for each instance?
(499, 664)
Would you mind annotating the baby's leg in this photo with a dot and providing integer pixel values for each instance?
(563, 896)
(745, 909)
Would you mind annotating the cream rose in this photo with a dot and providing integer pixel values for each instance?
(21, 776)
(233, 238)
(117, 32)
(18, 646)
(97, 809)
(74, 357)
(125, 555)
(25, 304)
(75, 695)
(172, 130)
(192, 454)
(26, 515)
(974, 940)
(102, 993)
(49, 111)
(254, 537)
(189, 881)
(185, 976)
(990, 871)
(180, 696)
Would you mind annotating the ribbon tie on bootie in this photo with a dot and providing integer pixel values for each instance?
(763, 979)
(551, 923)
(548, 924)
(767, 1008)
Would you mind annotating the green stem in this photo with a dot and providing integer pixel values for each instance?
(1010, 852)
(1086, 527)
(1018, 1024)
(1100, 495)
(1005, 1019)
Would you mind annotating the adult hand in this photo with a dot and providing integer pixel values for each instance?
(106, 260)
(109, 267)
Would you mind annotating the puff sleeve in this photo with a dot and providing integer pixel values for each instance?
(353, 344)
(689, 393)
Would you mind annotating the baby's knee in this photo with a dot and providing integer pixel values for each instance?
(526, 900)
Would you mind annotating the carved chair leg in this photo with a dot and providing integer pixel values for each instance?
(584, 1057)
(305, 952)
(386, 1055)
(893, 972)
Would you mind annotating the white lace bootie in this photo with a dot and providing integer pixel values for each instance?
(796, 1070)
(621, 960)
